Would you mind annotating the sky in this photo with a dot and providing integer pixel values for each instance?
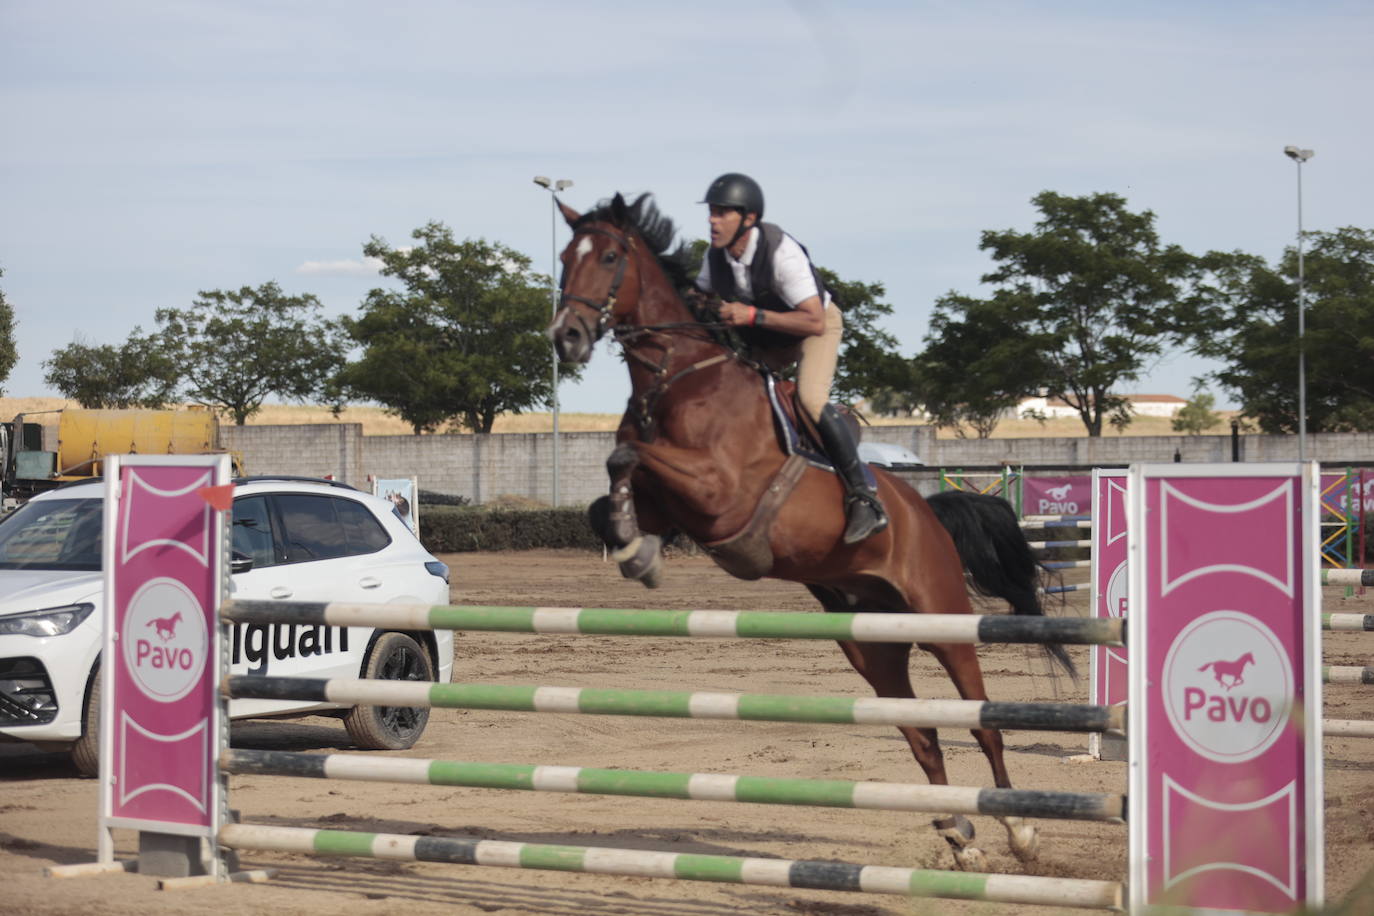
(150, 150)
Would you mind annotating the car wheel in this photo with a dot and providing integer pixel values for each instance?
(394, 657)
(85, 753)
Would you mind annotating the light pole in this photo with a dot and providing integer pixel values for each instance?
(553, 187)
(1300, 156)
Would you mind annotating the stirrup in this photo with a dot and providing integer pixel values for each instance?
(865, 518)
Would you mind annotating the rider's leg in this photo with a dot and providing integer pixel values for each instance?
(864, 513)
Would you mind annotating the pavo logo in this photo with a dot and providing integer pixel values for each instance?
(1229, 686)
(165, 639)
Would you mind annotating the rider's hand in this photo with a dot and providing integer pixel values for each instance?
(736, 314)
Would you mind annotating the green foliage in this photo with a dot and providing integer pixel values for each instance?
(237, 347)
(137, 373)
(1249, 319)
(978, 363)
(1197, 416)
(446, 529)
(1093, 295)
(869, 361)
(463, 343)
(9, 354)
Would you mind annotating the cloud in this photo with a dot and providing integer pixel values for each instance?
(346, 268)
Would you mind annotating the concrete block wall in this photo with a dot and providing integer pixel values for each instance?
(483, 468)
(310, 450)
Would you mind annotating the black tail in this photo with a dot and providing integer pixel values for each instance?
(996, 554)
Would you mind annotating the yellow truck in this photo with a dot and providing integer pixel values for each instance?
(85, 437)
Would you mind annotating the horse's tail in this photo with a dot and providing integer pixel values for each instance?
(996, 554)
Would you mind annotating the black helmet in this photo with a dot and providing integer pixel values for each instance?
(735, 190)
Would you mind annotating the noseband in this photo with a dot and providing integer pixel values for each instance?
(606, 306)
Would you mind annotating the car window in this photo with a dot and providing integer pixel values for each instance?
(324, 527)
(363, 532)
(53, 534)
(311, 528)
(253, 530)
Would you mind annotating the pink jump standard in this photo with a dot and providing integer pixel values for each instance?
(1225, 692)
(163, 562)
(1107, 664)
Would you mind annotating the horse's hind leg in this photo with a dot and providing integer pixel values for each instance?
(961, 663)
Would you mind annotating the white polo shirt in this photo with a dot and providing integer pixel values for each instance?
(792, 277)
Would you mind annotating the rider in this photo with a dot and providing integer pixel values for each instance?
(765, 279)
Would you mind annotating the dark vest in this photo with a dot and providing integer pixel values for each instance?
(764, 295)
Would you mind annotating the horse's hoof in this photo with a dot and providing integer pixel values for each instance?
(970, 858)
(958, 832)
(1023, 837)
(642, 559)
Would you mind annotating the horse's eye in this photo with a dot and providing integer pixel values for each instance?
(608, 256)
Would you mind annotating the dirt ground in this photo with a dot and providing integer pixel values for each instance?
(47, 815)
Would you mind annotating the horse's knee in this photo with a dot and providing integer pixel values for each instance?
(622, 461)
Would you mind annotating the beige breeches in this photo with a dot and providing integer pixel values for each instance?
(816, 368)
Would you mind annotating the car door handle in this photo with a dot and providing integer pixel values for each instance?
(369, 582)
(281, 591)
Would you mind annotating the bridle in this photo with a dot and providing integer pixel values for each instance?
(606, 306)
(629, 334)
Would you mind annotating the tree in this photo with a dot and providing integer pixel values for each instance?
(463, 343)
(9, 355)
(977, 364)
(138, 373)
(237, 347)
(1094, 290)
(1196, 416)
(869, 362)
(1249, 319)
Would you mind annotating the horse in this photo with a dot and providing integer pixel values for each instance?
(696, 455)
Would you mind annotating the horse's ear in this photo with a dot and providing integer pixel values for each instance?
(569, 214)
(619, 208)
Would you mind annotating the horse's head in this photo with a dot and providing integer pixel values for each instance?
(601, 282)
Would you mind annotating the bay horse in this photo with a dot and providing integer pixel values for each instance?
(696, 454)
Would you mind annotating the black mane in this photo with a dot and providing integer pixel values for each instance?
(657, 230)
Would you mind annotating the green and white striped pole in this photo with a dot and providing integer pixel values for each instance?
(858, 627)
(828, 793)
(683, 704)
(830, 876)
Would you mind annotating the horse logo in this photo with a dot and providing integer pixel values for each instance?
(166, 626)
(1230, 674)
(1058, 493)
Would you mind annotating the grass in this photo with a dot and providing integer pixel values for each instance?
(377, 422)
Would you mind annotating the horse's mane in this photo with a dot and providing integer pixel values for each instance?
(657, 230)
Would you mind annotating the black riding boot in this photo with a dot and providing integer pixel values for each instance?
(862, 508)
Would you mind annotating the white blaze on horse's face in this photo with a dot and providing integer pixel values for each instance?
(583, 249)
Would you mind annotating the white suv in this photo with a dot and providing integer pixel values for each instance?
(294, 539)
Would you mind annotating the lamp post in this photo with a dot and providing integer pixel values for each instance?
(1300, 156)
(553, 187)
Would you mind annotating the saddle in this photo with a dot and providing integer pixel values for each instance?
(747, 554)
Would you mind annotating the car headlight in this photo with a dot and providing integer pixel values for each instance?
(53, 621)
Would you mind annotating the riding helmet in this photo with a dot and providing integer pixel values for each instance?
(735, 190)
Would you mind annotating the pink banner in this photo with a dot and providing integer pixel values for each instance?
(162, 642)
(1109, 580)
(1057, 495)
(1226, 787)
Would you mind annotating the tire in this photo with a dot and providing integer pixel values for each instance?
(85, 753)
(394, 657)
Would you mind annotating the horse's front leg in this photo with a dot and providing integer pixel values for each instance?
(614, 518)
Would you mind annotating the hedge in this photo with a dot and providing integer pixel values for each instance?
(453, 529)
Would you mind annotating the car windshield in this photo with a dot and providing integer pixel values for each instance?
(53, 534)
